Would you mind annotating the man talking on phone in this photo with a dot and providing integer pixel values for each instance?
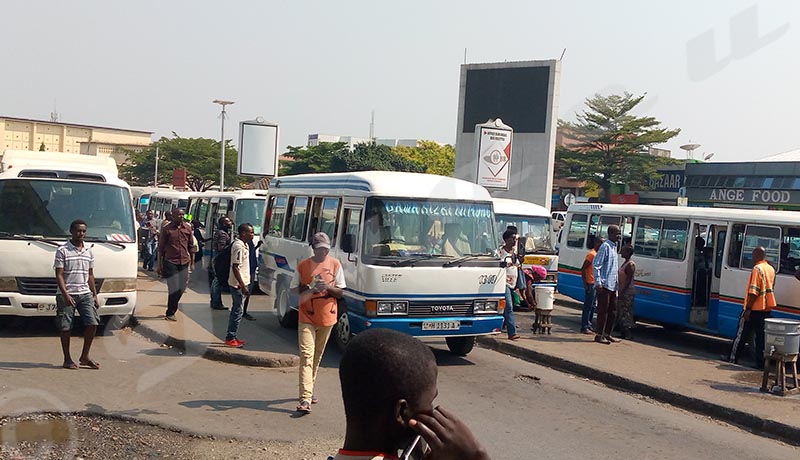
(388, 384)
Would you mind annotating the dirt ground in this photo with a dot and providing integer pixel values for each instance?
(61, 437)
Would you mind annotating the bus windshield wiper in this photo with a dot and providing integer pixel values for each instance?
(462, 259)
(99, 240)
(413, 260)
(24, 237)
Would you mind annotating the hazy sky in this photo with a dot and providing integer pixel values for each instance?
(725, 72)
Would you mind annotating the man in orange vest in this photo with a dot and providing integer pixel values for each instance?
(320, 282)
(758, 303)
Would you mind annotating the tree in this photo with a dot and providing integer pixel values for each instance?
(435, 158)
(337, 157)
(608, 145)
(200, 157)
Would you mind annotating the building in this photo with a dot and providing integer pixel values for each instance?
(772, 182)
(55, 136)
(352, 141)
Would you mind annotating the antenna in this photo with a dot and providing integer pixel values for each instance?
(562, 54)
(465, 55)
(54, 115)
(708, 157)
(372, 126)
(690, 148)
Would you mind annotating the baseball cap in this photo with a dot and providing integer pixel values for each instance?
(320, 240)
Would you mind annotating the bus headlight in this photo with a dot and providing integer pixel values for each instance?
(118, 285)
(392, 307)
(485, 306)
(8, 284)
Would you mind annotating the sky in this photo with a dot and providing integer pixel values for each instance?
(724, 72)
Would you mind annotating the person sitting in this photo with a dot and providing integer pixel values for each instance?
(454, 242)
(388, 382)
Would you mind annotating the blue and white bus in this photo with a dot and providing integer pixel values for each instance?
(417, 250)
(692, 264)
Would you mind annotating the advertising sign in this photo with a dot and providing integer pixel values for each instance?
(668, 181)
(494, 154)
(179, 178)
(258, 148)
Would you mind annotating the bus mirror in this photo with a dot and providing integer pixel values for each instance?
(349, 243)
(523, 244)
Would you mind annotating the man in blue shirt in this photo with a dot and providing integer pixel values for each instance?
(605, 268)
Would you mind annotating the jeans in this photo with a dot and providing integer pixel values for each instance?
(177, 278)
(236, 313)
(312, 340)
(152, 250)
(508, 314)
(588, 306)
(216, 292)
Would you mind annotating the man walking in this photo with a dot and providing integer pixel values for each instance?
(74, 266)
(239, 282)
(589, 294)
(605, 268)
(758, 304)
(151, 243)
(174, 257)
(320, 282)
(219, 241)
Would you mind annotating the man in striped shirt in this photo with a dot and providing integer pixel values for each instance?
(74, 266)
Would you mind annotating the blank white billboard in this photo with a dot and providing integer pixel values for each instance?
(258, 149)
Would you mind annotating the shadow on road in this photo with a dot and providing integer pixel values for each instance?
(229, 404)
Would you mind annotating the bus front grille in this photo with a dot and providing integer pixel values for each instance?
(44, 286)
(422, 309)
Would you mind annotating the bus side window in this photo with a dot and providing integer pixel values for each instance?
(768, 237)
(627, 231)
(316, 211)
(599, 227)
(577, 231)
(719, 251)
(327, 220)
(298, 223)
(735, 249)
(673, 240)
(790, 250)
(648, 234)
(275, 215)
(202, 210)
(351, 221)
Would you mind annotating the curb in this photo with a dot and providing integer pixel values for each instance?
(759, 425)
(191, 347)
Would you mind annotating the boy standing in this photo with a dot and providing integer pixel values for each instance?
(239, 282)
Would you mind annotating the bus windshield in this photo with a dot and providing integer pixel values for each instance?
(46, 208)
(536, 230)
(250, 211)
(399, 227)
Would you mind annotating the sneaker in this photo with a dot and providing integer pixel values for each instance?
(171, 318)
(587, 331)
(234, 343)
(248, 317)
(611, 339)
(601, 339)
(304, 407)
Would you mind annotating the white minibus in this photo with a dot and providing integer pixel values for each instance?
(692, 263)
(39, 197)
(534, 225)
(163, 200)
(417, 250)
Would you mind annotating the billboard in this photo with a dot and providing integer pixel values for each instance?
(494, 154)
(258, 148)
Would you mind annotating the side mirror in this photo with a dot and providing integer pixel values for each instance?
(523, 243)
(349, 243)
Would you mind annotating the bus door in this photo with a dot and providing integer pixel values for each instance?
(704, 287)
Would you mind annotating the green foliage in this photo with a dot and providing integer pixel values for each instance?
(610, 146)
(435, 158)
(337, 157)
(200, 157)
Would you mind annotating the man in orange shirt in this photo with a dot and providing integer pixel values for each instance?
(589, 295)
(320, 282)
(758, 303)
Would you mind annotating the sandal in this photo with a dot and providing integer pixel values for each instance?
(90, 364)
(69, 365)
(514, 337)
(314, 400)
(304, 407)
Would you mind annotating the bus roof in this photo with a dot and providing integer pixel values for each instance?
(690, 212)
(508, 206)
(58, 161)
(169, 193)
(238, 194)
(383, 183)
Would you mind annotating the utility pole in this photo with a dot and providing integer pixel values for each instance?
(372, 127)
(222, 116)
(155, 175)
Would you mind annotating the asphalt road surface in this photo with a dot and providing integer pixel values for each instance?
(517, 409)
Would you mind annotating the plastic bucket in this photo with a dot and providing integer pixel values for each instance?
(782, 334)
(545, 295)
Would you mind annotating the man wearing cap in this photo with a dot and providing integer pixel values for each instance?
(319, 280)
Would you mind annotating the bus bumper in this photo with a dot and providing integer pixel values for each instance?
(16, 304)
(468, 326)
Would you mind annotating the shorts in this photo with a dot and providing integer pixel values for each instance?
(84, 304)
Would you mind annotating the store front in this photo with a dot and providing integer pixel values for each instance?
(755, 185)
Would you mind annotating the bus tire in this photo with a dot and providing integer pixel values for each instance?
(460, 346)
(287, 317)
(343, 332)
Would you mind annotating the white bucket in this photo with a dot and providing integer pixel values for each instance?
(545, 295)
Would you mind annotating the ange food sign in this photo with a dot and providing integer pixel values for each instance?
(494, 157)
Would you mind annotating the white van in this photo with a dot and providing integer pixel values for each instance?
(534, 224)
(417, 250)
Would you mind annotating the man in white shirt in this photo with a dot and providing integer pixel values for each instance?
(239, 281)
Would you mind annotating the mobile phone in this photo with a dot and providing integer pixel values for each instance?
(409, 450)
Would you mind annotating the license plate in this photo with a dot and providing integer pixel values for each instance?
(441, 325)
(46, 307)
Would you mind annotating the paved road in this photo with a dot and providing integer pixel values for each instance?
(519, 410)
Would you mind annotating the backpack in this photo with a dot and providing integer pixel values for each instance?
(222, 263)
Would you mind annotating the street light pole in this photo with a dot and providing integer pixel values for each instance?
(222, 115)
(155, 174)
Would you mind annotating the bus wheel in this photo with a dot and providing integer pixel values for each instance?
(286, 316)
(460, 346)
(343, 332)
